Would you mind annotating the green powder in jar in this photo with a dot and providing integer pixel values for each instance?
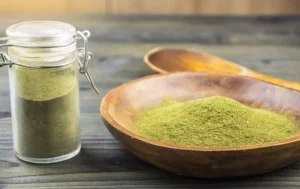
(214, 121)
(45, 111)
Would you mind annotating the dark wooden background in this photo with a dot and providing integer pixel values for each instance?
(270, 45)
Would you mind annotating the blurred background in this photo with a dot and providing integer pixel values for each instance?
(162, 7)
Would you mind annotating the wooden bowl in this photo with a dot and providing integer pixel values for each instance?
(120, 109)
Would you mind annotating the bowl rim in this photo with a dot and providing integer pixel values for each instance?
(108, 118)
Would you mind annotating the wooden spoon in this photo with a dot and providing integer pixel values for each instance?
(164, 60)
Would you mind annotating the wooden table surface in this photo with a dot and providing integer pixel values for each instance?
(267, 45)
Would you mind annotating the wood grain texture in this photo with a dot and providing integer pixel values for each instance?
(206, 7)
(246, 7)
(53, 6)
(162, 7)
(267, 45)
(86, 6)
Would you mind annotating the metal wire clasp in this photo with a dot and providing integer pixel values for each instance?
(5, 60)
(84, 57)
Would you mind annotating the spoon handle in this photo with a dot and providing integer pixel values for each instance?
(228, 66)
(225, 65)
(276, 81)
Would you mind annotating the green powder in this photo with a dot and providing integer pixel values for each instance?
(213, 121)
(45, 111)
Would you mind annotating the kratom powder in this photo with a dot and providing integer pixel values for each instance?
(45, 111)
(47, 128)
(213, 121)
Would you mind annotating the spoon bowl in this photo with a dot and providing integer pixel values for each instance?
(120, 110)
(165, 60)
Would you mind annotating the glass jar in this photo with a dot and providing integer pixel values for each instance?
(43, 64)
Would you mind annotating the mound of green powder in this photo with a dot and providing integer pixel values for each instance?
(213, 121)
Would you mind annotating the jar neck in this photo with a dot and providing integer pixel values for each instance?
(43, 56)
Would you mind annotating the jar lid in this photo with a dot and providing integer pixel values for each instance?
(41, 33)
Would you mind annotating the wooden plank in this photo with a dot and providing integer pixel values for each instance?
(87, 6)
(205, 30)
(204, 7)
(246, 7)
(53, 6)
(93, 20)
(162, 7)
(17, 6)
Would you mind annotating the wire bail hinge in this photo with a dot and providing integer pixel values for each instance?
(5, 60)
(84, 57)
